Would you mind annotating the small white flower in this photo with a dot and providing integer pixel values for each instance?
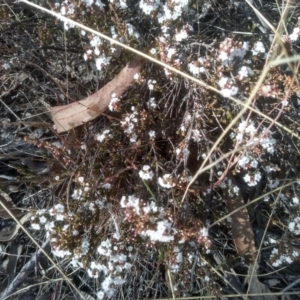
(250, 129)
(106, 186)
(229, 92)
(222, 82)
(153, 51)
(258, 48)
(6, 66)
(133, 138)
(77, 194)
(151, 84)
(146, 173)
(43, 220)
(245, 72)
(244, 161)
(35, 226)
(60, 253)
(295, 35)
(100, 295)
(102, 61)
(80, 179)
(59, 208)
(114, 101)
(104, 135)
(152, 103)
(182, 35)
(132, 31)
(166, 181)
(295, 201)
(151, 134)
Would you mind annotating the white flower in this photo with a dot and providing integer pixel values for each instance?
(151, 84)
(104, 135)
(195, 70)
(151, 134)
(77, 194)
(252, 180)
(100, 295)
(153, 51)
(222, 82)
(133, 138)
(131, 201)
(60, 253)
(107, 286)
(254, 163)
(166, 181)
(95, 41)
(268, 144)
(245, 72)
(162, 232)
(242, 126)
(80, 179)
(229, 92)
(295, 201)
(85, 245)
(6, 66)
(132, 31)
(146, 173)
(182, 35)
(43, 220)
(244, 161)
(148, 6)
(171, 52)
(250, 129)
(106, 186)
(295, 35)
(258, 48)
(59, 208)
(204, 231)
(113, 102)
(102, 61)
(35, 226)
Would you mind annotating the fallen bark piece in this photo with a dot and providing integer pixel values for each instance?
(242, 231)
(72, 115)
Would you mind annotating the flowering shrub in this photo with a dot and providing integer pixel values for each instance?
(119, 190)
(144, 159)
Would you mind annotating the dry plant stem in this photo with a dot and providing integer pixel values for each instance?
(72, 115)
(26, 270)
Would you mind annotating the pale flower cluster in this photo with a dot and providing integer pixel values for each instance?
(282, 258)
(146, 173)
(129, 125)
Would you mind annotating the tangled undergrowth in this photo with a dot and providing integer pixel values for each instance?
(122, 197)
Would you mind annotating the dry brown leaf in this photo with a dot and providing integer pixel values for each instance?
(72, 115)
